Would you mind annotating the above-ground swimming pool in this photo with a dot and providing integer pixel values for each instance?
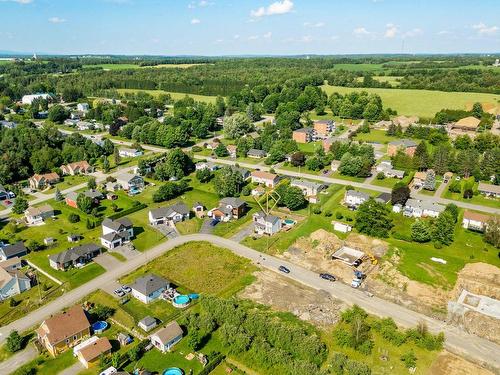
(181, 301)
(194, 296)
(99, 326)
(289, 222)
(173, 371)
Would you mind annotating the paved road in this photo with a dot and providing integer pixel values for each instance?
(457, 341)
(18, 359)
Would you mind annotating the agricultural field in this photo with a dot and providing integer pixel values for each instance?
(423, 103)
(174, 95)
(360, 67)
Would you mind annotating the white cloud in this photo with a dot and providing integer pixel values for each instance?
(200, 4)
(18, 1)
(361, 31)
(314, 24)
(483, 29)
(253, 37)
(390, 31)
(267, 35)
(278, 7)
(195, 21)
(56, 20)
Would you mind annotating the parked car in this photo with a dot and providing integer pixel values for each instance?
(214, 222)
(284, 269)
(126, 288)
(119, 292)
(355, 283)
(327, 276)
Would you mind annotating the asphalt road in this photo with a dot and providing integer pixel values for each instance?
(457, 341)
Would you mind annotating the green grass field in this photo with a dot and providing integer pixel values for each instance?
(359, 67)
(174, 95)
(135, 66)
(423, 103)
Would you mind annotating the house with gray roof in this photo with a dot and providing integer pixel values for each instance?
(129, 181)
(168, 215)
(256, 154)
(116, 232)
(149, 287)
(10, 251)
(164, 339)
(147, 323)
(353, 198)
(309, 188)
(74, 257)
(266, 224)
(229, 208)
(418, 208)
(245, 173)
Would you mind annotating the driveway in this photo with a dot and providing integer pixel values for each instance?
(18, 359)
(127, 250)
(206, 228)
(107, 261)
(243, 233)
(73, 369)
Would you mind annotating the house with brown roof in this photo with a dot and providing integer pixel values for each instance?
(64, 330)
(78, 167)
(405, 121)
(475, 221)
(467, 124)
(37, 215)
(41, 181)
(165, 338)
(407, 145)
(91, 354)
(265, 178)
(232, 149)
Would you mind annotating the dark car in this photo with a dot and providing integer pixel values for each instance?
(284, 269)
(327, 276)
(214, 222)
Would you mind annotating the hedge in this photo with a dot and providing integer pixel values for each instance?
(218, 358)
(128, 211)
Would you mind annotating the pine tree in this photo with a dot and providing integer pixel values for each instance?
(58, 196)
(430, 180)
(421, 157)
(116, 156)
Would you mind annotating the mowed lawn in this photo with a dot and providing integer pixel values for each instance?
(174, 95)
(202, 268)
(423, 103)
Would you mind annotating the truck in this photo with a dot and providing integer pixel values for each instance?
(358, 279)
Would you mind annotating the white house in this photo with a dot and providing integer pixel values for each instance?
(266, 224)
(165, 338)
(12, 280)
(475, 221)
(37, 215)
(206, 165)
(147, 323)
(265, 178)
(334, 166)
(168, 215)
(130, 152)
(418, 208)
(489, 190)
(12, 251)
(149, 287)
(386, 168)
(353, 198)
(28, 99)
(309, 189)
(83, 107)
(130, 181)
(116, 232)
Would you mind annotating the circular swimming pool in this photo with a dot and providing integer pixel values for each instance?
(173, 371)
(181, 301)
(99, 326)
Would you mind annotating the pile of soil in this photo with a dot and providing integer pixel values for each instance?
(451, 364)
(478, 278)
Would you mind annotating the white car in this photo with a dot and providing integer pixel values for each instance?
(119, 292)
(355, 283)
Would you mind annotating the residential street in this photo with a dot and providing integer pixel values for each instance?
(469, 346)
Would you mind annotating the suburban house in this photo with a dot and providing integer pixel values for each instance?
(212, 167)
(82, 107)
(165, 338)
(256, 154)
(489, 190)
(74, 257)
(309, 189)
(467, 124)
(213, 145)
(78, 167)
(324, 127)
(418, 208)
(64, 330)
(147, 323)
(12, 251)
(232, 149)
(383, 198)
(41, 181)
(405, 121)
(265, 178)
(71, 199)
(418, 179)
(149, 287)
(12, 280)
(37, 215)
(303, 135)
(168, 215)
(199, 210)
(229, 208)
(245, 173)
(116, 232)
(353, 198)
(407, 145)
(130, 181)
(473, 221)
(90, 355)
(386, 168)
(130, 152)
(266, 224)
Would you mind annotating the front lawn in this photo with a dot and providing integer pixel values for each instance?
(476, 199)
(375, 136)
(67, 182)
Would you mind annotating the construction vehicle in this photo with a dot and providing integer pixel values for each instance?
(372, 258)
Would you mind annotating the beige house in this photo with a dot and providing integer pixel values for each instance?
(41, 181)
(78, 167)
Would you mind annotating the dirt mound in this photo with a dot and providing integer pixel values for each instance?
(478, 278)
(367, 244)
(317, 307)
(450, 364)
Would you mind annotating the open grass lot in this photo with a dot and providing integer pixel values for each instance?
(189, 226)
(394, 81)
(222, 271)
(67, 182)
(476, 199)
(390, 181)
(375, 136)
(309, 148)
(423, 103)
(359, 67)
(174, 95)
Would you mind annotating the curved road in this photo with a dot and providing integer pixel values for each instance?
(457, 341)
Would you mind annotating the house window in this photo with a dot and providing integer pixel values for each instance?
(67, 341)
(75, 337)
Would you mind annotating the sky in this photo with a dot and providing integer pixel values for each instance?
(249, 27)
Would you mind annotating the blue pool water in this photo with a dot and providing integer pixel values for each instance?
(289, 222)
(194, 296)
(182, 299)
(99, 326)
(173, 371)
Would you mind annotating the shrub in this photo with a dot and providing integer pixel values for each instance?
(339, 215)
(14, 342)
(357, 368)
(337, 363)
(409, 359)
(328, 213)
(73, 218)
(317, 210)
(246, 190)
(196, 149)
(380, 175)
